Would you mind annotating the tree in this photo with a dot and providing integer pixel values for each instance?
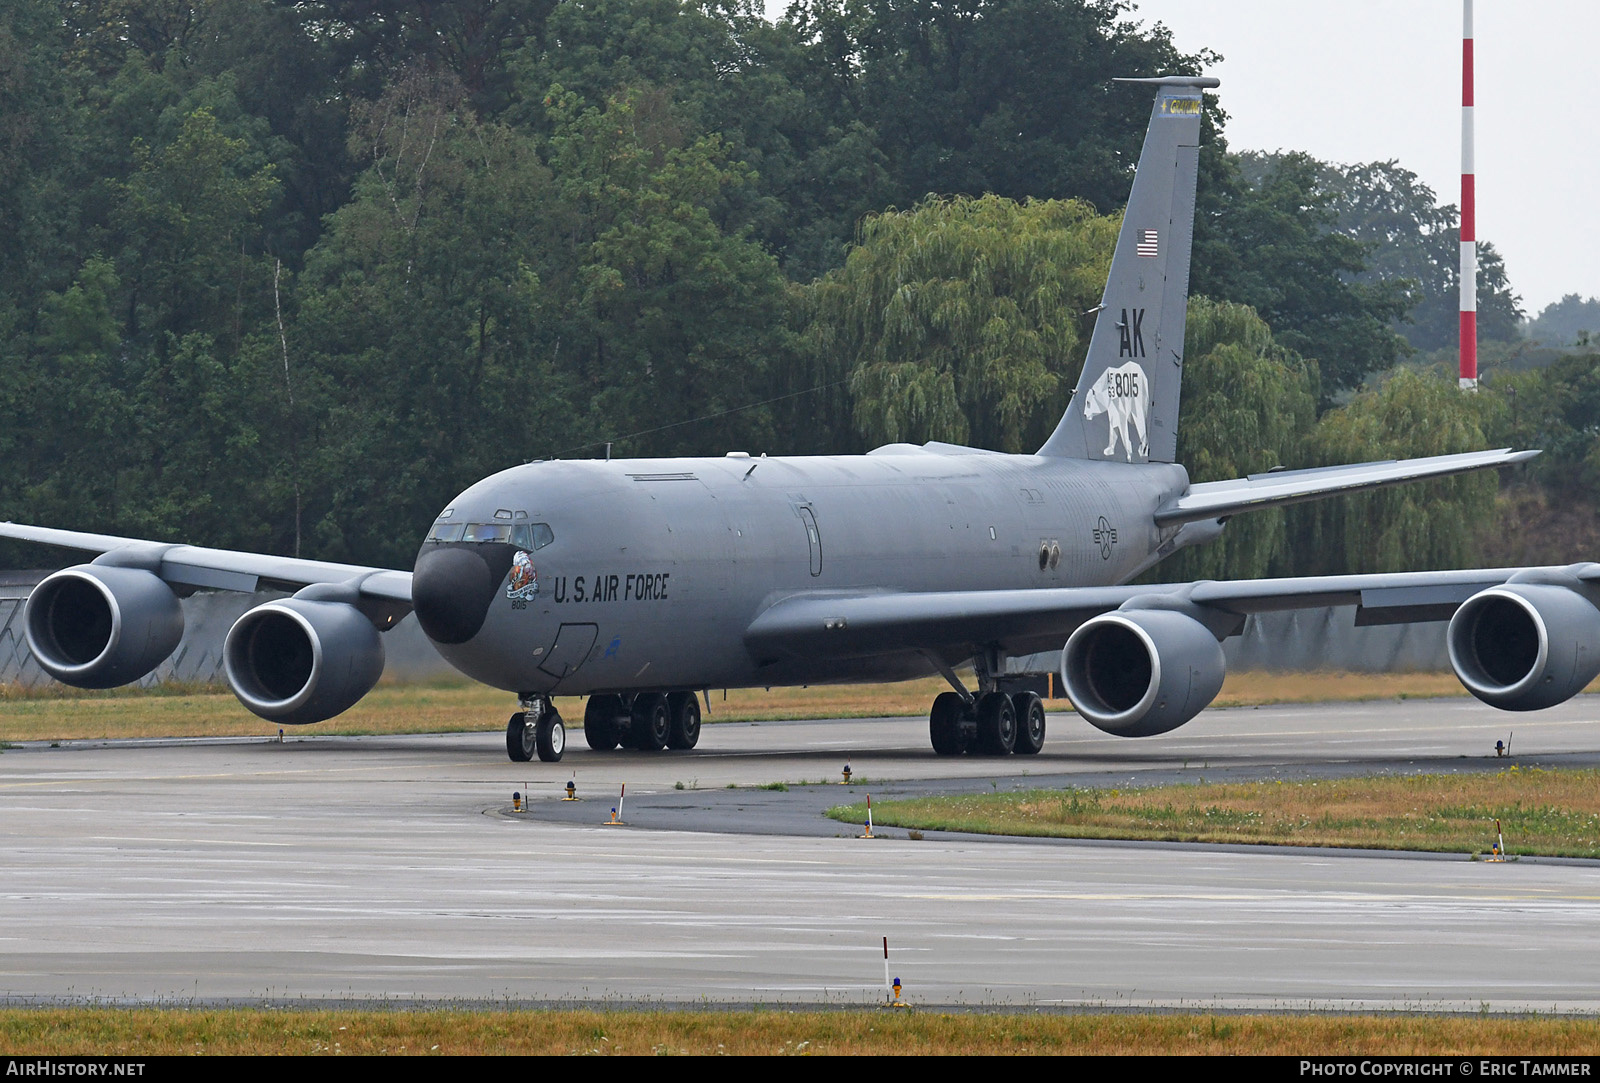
(376, 41)
(722, 69)
(1272, 243)
(1247, 408)
(1555, 409)
(1571, 321)
(418, 339)
(1409, 236)
(665, 316)
(1422, 526)
(1009, 97)
(959, 320)
(191, 210)
(68, 418)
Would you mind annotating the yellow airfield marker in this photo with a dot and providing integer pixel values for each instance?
(616, 811)
(1499, 852)
(892, 986)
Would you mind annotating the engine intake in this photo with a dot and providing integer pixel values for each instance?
(298, 661)
(1525, 646)
(1137, 673)
(100, 626)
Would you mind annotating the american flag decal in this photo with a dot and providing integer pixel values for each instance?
(1148, 245)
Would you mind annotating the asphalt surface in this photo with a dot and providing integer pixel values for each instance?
(392, 870)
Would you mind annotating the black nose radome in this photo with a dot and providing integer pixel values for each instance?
(450, 592)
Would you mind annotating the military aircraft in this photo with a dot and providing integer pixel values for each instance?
(639, 582)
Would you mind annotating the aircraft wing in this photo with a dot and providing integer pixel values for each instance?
(1218, 499)
(1025, 621)
(197, 568)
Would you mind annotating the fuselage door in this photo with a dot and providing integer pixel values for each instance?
(813, 539)
(571, 648)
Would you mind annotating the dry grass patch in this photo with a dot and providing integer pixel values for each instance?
(1253, 688)
(1555, 812)
(57, 713)
(133, 1033)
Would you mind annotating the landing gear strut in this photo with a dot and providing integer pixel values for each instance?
(536, 731)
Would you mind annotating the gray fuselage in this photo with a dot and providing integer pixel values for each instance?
(657, 567)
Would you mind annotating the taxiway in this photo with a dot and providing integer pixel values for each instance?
(391, 869)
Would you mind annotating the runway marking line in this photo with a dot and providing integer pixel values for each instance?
(124, 779)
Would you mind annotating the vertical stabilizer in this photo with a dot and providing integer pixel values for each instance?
(1125, 407)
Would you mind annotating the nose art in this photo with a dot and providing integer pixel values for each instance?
(450, 591)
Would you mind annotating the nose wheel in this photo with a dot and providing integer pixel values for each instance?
(538, 732)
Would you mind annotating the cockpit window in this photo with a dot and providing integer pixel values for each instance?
(488, 532)
(532, 535)
(523, 535)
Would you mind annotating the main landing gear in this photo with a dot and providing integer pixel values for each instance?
(648, 721)
(990, 723)
(537, 729)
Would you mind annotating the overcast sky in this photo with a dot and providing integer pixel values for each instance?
(1369, 80)
(1363, 80)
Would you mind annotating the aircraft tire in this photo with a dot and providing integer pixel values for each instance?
(520, 738)
(997, 724)
(652, 722)
(684, 732)
(944, 725)
(550, 736)
(1030, 723)
(602, 722)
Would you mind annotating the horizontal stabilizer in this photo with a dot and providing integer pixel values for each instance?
(1216, 499)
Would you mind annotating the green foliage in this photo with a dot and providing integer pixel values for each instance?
(286, 276)
(1247, 406)
(417, 352)
(957, 320)
(1555, 409)
(191, 209)
(65, 442)
(1431, 525)
(1408, 236)
(1571, 321)
(1270, 242)
(1012, 97)
(669, 316)
(723, 69)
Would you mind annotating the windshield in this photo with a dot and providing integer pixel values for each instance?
(523, 535)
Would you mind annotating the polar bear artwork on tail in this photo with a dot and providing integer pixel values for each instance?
(1123, 393)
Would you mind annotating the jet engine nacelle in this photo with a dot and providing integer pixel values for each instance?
(297, 661)
(100, 626)
(1140, 672)
(1525, 645)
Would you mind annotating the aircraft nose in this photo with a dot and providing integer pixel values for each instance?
(450, 592)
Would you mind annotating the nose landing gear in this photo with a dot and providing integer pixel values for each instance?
(538, 730)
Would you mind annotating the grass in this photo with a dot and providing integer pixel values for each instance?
(1549, 812)
(56, 713)
(167, 1032)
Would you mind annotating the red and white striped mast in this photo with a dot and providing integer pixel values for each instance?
(1469, 228)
